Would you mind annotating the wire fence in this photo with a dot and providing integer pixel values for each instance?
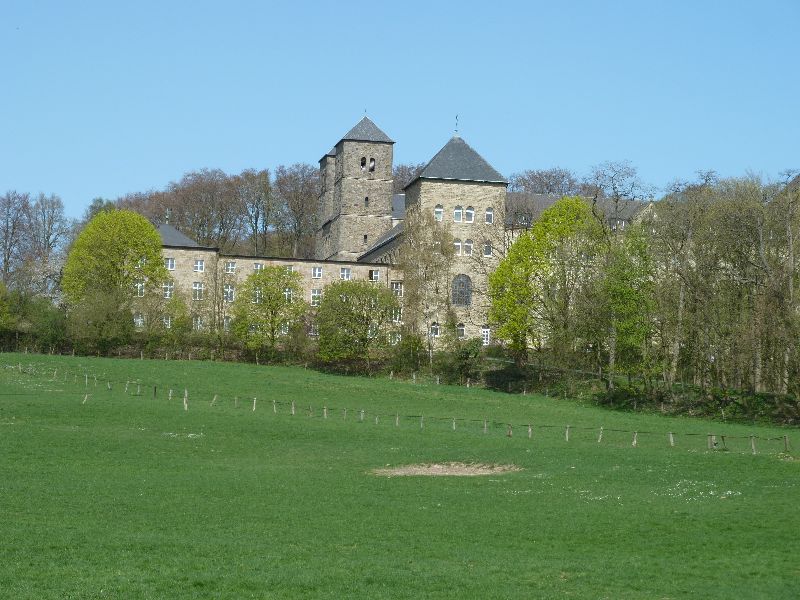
(92, 386)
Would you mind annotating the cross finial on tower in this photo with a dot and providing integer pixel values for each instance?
(456, 123)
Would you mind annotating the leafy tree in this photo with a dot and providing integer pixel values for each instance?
(268, 305)
(115, 250)
(354, 320)
(98, 323)
(533, 290)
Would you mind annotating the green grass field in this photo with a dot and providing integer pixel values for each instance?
(118, 495)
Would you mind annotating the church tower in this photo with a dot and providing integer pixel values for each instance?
(355, 203)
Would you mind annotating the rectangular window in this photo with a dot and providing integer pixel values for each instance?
(313, 330)
(228, 292)
(344, 273)
(397, 315)
(374, 275)
(287, 294)
(168, 288)
(138, 288)
(169, 263)
(289, 269)
(394, 338)
(199, 265)
(316, 272)
(257, 296)
(485, 336)
(226, 323)
(138, 320)
(167, 321)
(257, 266)
(197, 323)
(198, 287)
(316, 296)
(230, 266)
(284, 329)
(397, 288)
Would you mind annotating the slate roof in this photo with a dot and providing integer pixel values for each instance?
(366, 131)
(458, 161)
(383, 240)
(398, 206)
(172, 237)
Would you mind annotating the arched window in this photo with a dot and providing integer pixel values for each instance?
(457, 247)
(460, 330)
(363, 163)
(487, 248)
(490, 215)
(438, 212)
(467, 247)
(366, 202)
(462, 290)
(371, 165)
(457, 212)
(469, 215)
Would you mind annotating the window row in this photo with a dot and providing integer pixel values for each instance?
(345, 273)
(436, 330)
(364, 164)
(462, 215)
(465, 248)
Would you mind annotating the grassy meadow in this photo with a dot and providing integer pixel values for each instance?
(112, 494)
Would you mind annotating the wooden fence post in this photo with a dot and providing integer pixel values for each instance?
(421, 421)
(510, 432)
(274, 406)
(530, 431)
(786, 443)
(254, 405)
(324, 412)
(753, 443)
(214, 400)
(185, 399)
(292, 407)
(566, 433)
(484, 426)
(600, 437)
(671, 439)
(635, 441)
(397, 420)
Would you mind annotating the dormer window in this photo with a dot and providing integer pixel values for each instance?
(438, 212)
(363, 163)
(371, 165)
(458, 211)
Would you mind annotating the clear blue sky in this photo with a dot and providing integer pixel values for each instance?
(104, 98)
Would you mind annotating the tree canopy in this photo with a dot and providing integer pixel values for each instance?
(114, 251)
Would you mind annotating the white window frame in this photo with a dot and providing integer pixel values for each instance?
(486, 336)
(458, 214)
(258, 266)
(467, 248)
(397, 288)
(199, 265)
(438, 212)
(456, 247)
(435, 330)
(169, 263)
(226, 323)
(138, 320)
(345, 274)
(138, 288)
(288, 294)
(197, 323)
(228, 292)
(489, 216)
(397, 315)
(289, 268)
(230, 266)
(460, 331)
(316, 296)
(168, 289)
(166, 320)
(487, 248)
(316, 272)
(198, 290)
(374, 275)
(469, 215)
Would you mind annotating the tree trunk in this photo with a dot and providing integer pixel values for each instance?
(612, 354)
(676, 342)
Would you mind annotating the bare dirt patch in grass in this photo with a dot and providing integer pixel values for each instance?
(452, 469)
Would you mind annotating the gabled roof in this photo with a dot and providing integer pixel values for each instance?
(366, 131)
(172, 237)
(458, 161)
(523, 208)
(382, 241)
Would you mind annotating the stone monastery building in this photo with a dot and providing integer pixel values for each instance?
(361, 230)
